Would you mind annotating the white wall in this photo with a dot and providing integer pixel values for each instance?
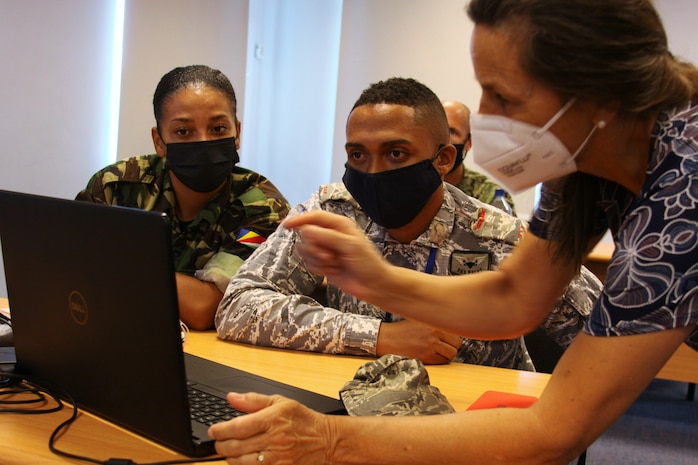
(162, 34)
(292, 62)
(54, 90)
(679, 17)
(56, 81)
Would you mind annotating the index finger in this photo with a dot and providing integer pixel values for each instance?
(322, 219)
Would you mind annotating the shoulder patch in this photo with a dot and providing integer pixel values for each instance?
(491, 223)
(334, 191)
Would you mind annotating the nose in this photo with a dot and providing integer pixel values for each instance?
(375, 165)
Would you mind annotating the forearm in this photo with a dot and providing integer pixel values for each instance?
(597, 379)
(198, 301)
(495, 436)
(287, 432)
(253, 312)
(490, 305)
(504, 303)
(481, 306)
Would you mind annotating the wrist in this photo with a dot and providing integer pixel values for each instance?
(383, 345)
(391, 286)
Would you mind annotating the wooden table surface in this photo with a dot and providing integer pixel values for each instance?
(25, 437)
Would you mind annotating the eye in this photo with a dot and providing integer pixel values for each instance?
(220, 129)
(493, 102)
(181, 132)
(355, 155)
(396, 155)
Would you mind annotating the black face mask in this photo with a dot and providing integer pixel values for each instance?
(202, 166)
(393, 198)
(460, 155)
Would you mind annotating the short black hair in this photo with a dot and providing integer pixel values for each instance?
(409, 92)
(185, 76)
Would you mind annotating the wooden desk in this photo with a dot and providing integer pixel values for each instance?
(682, 367)
(326, 374)
(25, 437)
(598, 258)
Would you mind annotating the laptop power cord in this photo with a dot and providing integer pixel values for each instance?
(50, 401)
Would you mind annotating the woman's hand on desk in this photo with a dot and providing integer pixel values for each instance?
(276, 430)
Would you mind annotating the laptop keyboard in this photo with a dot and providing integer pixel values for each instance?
(209, 409)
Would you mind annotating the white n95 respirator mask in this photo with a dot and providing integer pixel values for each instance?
(519, 155)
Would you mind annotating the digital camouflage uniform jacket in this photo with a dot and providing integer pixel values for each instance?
(269, 304)
(214, 245)
(481, 187)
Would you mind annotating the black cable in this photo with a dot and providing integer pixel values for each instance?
(65, 425)
(30, 388)
(112, 461)
(38, 391)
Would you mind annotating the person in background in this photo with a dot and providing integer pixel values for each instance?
(397, 154)
(585, 96)
(219, 212)
(469, 181)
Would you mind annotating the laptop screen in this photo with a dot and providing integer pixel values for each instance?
(94, 309)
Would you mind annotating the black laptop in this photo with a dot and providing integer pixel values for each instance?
(94, 312)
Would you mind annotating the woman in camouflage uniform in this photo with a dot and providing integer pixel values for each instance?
(220, 212)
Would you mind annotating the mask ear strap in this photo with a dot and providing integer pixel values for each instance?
(438, 152)
(557, 116)
(584, 143)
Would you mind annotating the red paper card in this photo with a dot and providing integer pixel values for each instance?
(496, 399)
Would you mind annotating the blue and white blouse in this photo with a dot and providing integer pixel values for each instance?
(652, 279)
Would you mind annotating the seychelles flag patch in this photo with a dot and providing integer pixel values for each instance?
(250, 238)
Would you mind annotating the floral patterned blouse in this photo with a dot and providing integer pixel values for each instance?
(652, 280)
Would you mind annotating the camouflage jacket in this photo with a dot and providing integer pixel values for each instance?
(481, 187)
(270, 301)
(214, 245)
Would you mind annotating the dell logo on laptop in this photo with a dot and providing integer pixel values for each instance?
(77, 307)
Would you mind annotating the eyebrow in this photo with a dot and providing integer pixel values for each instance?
(183, 119)
(385, 144)
(220, 116)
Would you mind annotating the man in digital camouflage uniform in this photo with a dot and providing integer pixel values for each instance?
(219, 212)
(398, 152)
(469, 181)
